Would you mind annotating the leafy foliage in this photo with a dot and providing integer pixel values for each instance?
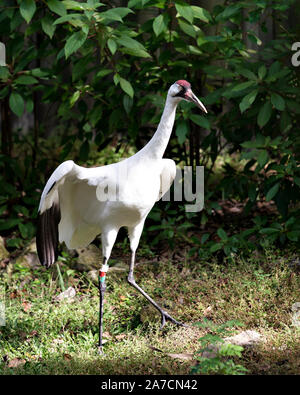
(212, 342)
(105, 70)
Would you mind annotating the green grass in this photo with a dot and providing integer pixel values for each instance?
(45, 336)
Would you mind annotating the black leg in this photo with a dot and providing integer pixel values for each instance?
(102, 288)
(164, 315)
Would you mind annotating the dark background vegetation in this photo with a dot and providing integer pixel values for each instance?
(87, 81)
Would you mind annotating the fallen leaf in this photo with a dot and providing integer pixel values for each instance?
(207, 311)
(13, 295)
(26, 306)
(121, 336)
(67, 294)
(57, 341)
(181, 300)
(107, 335)
(67, 357)
(185, 356)
(14, 363)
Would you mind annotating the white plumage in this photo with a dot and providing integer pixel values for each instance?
(79, 203)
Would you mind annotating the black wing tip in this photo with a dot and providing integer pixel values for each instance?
(47, 235)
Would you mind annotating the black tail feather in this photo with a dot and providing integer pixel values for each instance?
(47, 235)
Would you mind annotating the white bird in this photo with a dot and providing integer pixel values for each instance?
(79, 203)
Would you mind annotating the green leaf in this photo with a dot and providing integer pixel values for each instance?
(215, 247)
(116, 78)
(134, 3)
(185, 10)
(4, 73)
(103, 73)
(248, 100)
(201, 13)
(26, 80)
(67, 18)
(9, 223)
(74, 42)
(116, 14)
(23, 230)
(160, 24)
(194, 50)
(127, 87)
(268, 231)
(247, 74)
(4, 92)
(132, 47)
(111, 15)
(91, 5)
(112, 45)
(57, 6)
(14, 243)
(127, 103)
(187, 28)
(204, 238)
(229, 11)
(262, 158)
(47, 25)
(74, 98)
(16, 103)
(293, 235)
(243, 85)
(262, 72)
(272, 192)
(123, 11)
(264, 114)
(277, 101)
(136, 52)
(200, 121)
(181, 131)
(129, 42)
(257, 143)
(27, 9)
(37, 72)
(222, 234)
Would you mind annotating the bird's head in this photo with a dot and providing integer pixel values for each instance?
(182, 91)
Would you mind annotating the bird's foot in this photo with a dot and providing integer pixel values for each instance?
(166, 317)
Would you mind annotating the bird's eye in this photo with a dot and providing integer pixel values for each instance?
(181, 92)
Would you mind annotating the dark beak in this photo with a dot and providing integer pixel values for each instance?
(189, 96)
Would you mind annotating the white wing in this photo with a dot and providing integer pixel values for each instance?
(167, 176)
(59, 212)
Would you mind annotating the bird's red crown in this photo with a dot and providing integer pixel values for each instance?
(183, 83)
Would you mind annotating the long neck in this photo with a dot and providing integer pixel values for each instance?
(158, 144)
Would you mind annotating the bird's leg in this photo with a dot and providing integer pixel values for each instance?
(164, 315)
(102, 287)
